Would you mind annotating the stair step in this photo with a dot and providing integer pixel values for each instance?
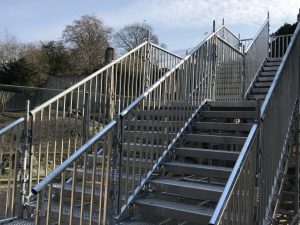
(275, 63)
(270, 68)
(177, 210)
(229, 114)
(198, 169)
(184, 188)
(148, 135)
(232, 104)
(159, 114)
(98, 174)
(136, 223)
(223, 126)
(215, 139)
(16, 221)
(76, 214)
(268, 73)
(263, 84)
(77, 191)
(207, 153)
(275, 59)
(257, 96)
(259, 90)
(142, 147)
(265, 79)
(147, 124)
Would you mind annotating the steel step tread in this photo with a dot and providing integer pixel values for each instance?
(198, 214)
(270, 68)
(232, 104)
(137, 223)
(223, 126)
(76, 212)
(89, 173)
(256, 90)
(207, 153)
(229, 114)
(257, 96)
(265, 79)
(277, 59)
(189, 185)
(216, 139)
(197, 169)
(267, 74)
(16, 221)
(262, 84)
(275, 63)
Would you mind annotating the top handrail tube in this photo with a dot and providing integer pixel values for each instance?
(11, 125)
(258, 33)
(228, 44)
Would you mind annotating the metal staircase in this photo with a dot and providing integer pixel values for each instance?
(263, 81)
(152, 138)
(190, 181)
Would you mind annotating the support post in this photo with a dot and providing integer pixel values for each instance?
(24, 146)
(112, 153)
(256, 216)
(214, 26)
(297, 166)
(244, 73)
(86, 118)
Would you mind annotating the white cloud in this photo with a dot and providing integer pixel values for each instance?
(200, 13)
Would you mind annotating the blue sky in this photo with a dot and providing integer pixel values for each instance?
(178, 23)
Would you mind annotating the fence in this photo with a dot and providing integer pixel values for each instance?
(12, 154)
(62, 124)
(278, 45)
(18, 95)
(268, 146)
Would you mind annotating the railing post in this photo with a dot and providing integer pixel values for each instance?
(111, 146)
(243, 73)
(86, 118)
(257, 195)
(24, 146)
(297, 163)
(147, 64)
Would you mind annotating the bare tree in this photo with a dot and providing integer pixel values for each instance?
(88, 39)
(9, 49)
(134, 34)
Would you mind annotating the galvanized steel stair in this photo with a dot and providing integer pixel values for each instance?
(264, 79)
(188, 185)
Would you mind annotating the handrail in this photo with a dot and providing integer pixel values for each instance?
(50, 177)
(85, 80)
(233, 176)
(165, 50)
(84, 148)
(231, 33)
(11, 125)
(157, 83)
(279, 71)
(228, 44)
(258, 33)
(282, 35)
